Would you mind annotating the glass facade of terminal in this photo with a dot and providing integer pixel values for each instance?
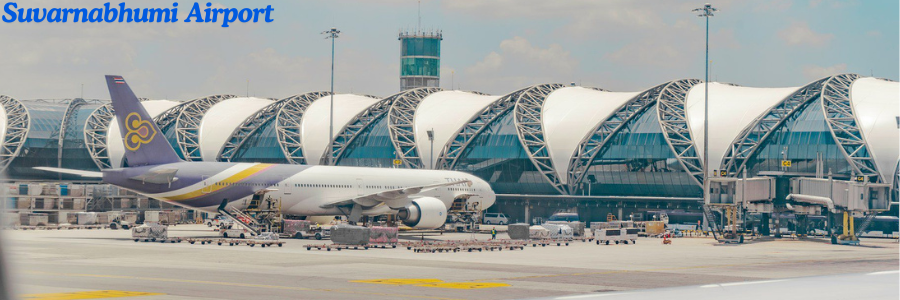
(172, 137)
(638, 162)
(262, 147)
(496, 156)
(41, 147)
(371, 148)
(801, 138)
(75, 154)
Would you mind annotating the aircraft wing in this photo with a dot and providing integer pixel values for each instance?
(81, 173)
(393, 198)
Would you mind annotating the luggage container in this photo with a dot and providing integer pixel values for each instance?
(653, 228)
(38, 220)
(24, 203)
(59, 218)
(559, 231)
(87, 218)
(151, 216)
(383, 235)
(149, 232)
(34, 189)
(538, 232)
(297, 229)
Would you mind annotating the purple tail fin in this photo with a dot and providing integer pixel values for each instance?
(145, 144)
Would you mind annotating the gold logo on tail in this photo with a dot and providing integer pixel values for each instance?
(140, 131)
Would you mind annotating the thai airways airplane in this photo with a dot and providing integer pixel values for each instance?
(419, 198)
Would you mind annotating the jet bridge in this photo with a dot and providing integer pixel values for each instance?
(802, 196)
(734, 197)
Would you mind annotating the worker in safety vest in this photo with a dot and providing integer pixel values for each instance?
(493, 233)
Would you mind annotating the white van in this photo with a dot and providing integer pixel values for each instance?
(495, 218)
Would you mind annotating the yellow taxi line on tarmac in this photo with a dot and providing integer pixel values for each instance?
(677, 268)
(434, 283)
(87, 295)
(239, 284)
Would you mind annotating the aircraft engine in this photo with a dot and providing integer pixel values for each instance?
(424, 213)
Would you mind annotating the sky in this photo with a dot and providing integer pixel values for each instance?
(493, 47)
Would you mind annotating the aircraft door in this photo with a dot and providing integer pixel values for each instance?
(206, 185)
(359, 187)
(287, 186)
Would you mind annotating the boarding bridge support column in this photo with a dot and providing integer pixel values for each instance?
(764, 224)
(620, 204)
(528, 212)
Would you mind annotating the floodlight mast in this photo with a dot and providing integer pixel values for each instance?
(705, 12)
(331, 34)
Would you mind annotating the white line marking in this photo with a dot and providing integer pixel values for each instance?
(884, 272)
(739, 283)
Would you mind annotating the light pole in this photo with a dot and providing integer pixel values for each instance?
(705, 12)
(331, 34)
(431, 156)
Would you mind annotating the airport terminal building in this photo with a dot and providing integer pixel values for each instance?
(543, 148)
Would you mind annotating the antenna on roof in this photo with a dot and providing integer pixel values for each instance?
(419, 25)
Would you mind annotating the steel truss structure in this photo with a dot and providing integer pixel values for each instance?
(751, 138)
(18, 122)
(289, 126)
(595, 142)
(77, 102)
(844, 127)
(253, 123)
(460, 141)
(530, 128)
(166, 119)
(187, 124)
(360, 122)
(676, 130)
(95, 129)
(401, 124)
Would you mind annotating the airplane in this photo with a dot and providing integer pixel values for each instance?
(419, 198)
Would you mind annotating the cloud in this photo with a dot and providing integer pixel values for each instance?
(506, 70)
(799, 34)
(817, 72)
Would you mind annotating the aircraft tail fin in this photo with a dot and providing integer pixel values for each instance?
(145, 144)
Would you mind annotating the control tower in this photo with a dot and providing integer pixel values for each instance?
(420, 59)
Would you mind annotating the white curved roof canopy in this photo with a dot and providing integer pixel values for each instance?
(114, 145)
(446, 112)
(568, 116)
(314, 133)
(220, 121)
(876, 104)
(732, 108)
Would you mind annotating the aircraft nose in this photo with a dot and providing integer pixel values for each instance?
(488, 197)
